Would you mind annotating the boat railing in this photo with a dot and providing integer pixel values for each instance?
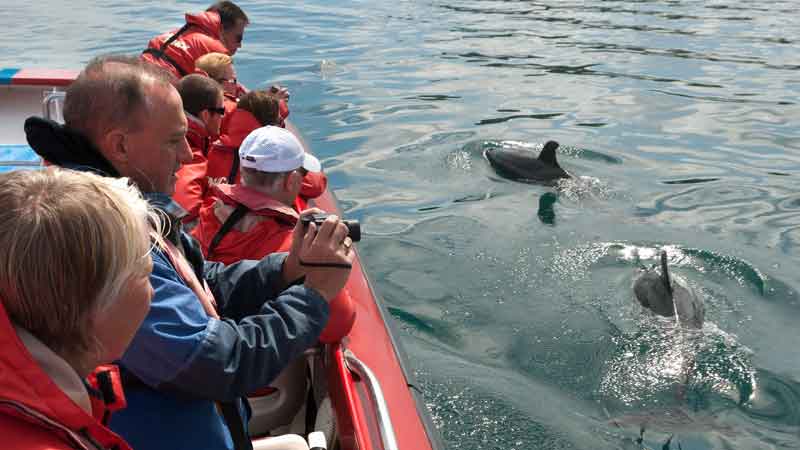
(53, 105)
(371, 381)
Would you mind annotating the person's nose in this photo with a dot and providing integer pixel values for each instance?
(185, 153)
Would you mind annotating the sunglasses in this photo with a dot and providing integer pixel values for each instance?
(228, 80)
(220, 110)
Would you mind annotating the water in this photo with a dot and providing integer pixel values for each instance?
(514, 301)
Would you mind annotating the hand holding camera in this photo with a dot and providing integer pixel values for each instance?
(321, 250)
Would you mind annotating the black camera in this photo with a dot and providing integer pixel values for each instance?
(353, 227)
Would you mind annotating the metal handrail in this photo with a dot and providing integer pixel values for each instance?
(384, 421)
(52, 107)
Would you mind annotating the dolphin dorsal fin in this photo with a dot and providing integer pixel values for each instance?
(665, 272)
(548, 154)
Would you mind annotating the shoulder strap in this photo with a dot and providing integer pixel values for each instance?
(160, 53)
(172, 38)
(237, 214)
(234, 168)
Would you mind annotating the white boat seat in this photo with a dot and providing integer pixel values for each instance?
(283, 442)
(279, 407)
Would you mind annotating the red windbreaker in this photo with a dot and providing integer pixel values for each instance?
(202, 35)
(192, 184)
(36, 414)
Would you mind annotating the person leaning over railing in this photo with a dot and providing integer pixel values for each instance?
(219, 29)
(219, 67)
(214, 333)
(74, 288)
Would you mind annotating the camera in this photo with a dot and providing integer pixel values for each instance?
(353, 227)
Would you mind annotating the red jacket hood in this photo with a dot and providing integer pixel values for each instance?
(23, 382)
(196, 134)
(240, 125)
(208, 22)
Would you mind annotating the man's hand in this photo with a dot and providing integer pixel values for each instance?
(281, 92)
(323, 254)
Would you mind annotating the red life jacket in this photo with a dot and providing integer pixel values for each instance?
(36, 414)
(222, 153)
(202, 34)
(192, 183)
(223, 161)
(266, 228)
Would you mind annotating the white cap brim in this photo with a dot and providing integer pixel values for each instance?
(311, 163)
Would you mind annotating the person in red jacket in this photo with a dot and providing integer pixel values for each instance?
(219, 67)
(203, 105)
(255, 217)
(61, 319)
(255, 109)
(219, 29)
(273, 165)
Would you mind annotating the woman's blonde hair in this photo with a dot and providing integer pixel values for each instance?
(70, 241)
(214, 64)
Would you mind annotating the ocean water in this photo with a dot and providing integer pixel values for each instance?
(514, 301)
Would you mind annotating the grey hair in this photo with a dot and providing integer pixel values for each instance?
(110, 93)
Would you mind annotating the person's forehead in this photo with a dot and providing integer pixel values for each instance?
(167, 111)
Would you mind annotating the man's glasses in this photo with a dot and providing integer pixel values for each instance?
(220, 110)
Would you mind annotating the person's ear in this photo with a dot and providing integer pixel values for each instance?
(114, 146)
(205, 116)
(294, 180)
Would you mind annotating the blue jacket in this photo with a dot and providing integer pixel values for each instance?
(184, 359)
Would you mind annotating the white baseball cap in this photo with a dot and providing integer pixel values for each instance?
(275, 149)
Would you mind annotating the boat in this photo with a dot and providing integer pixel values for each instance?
(364, 395)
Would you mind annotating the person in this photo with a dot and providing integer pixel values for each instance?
(74, 283)
(219, 29)
(255, 217)
(219, 67)
(273, 165)
(255, 109)
(203, 106)
(214, 333)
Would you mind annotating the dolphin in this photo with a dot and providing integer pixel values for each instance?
(522, 165)
(666, 296)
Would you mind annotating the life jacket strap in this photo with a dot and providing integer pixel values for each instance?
(238, 213)
(160, 53)
(234, 168)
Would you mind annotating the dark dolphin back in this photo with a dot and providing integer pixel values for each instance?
(523, 165)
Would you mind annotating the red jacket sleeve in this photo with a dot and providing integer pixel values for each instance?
(191, 186)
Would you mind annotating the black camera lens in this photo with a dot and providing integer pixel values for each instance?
(353, 226)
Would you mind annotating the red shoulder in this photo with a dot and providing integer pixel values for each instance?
(20, 434)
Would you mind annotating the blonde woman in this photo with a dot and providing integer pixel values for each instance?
(219, 67)
(74, 288)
